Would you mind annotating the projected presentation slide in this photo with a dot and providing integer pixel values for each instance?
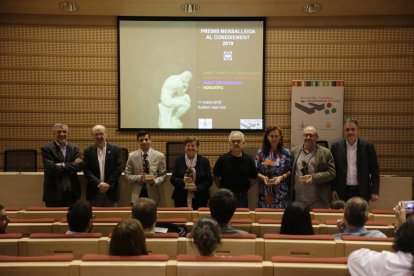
(187, 74)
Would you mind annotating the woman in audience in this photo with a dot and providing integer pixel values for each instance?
(191, 177)
(368, 262)
(206, 236)
(128, 239)
(273, 164)
(296, 220)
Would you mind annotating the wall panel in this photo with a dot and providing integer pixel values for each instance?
(68, 72)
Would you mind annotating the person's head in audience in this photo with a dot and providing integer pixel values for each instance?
(337, 204)
(222, 206)
(80, 218)
(296, 220)
(4, 220)
(145, 210)
(206, 236)
(356, 212)
(404, 238)
(128, 239)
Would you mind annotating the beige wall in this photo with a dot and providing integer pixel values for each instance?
(65, 69)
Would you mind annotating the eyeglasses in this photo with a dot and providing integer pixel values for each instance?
(236, 141)
(309, 135)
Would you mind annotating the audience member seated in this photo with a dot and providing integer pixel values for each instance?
(4, 220)
(401, 214)
(222, 206)
(80, 218)
(337, 204)
(296, 220)
(206, 236)
(128, 239)
(145, 210)
(355, 216)
(401, 262)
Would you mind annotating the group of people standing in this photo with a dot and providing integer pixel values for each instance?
(307, 173)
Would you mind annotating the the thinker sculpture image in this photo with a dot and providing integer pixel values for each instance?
(174, 100)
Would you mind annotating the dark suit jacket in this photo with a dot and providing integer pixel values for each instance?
(113, 170)
(367, 168)
(203, 182)
(53, 184)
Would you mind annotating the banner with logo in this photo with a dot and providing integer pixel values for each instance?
(320, 104)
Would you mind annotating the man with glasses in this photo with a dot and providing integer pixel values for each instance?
(356, 166)
(235, 170)
(145, 169)
(312, 171)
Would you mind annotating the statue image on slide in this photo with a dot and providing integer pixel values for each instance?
(174, 100)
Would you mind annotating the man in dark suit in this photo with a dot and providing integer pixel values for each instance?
(61, 162)
(357, 169)
(103, 169)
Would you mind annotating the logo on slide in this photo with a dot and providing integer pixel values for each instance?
(227, 55)
(205, 123)
(310, 108)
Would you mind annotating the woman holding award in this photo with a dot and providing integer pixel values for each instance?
(191, 177)
(273, 163)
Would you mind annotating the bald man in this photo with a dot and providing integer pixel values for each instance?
(103, 169)
(312, 171)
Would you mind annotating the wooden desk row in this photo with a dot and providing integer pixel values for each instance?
(190, 215)
(94, 265)
(271, 245)
(106, 226)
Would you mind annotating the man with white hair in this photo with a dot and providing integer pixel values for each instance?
(235, 170)
(103, 169)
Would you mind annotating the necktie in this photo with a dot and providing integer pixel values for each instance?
(145, 163)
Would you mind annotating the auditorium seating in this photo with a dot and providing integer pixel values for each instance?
(233, 245)
(13, 212)
(273, 226)
(59, 265)
(268, 213)
(148, 265)
(327, 214)
(112, 212)
(9, 243)
(165, 243)
(45, 212)
(294, 266)
(28, 226)
(241, 213)
(172, 213)
(101, 225)
(299, 245)
(329, 227)
(352, 243)
(383, 215)
(49, 244)
(221, 266)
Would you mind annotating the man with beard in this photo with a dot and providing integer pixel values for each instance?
(312, 171)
